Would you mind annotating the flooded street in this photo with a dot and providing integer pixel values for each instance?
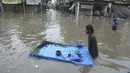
(19, 33)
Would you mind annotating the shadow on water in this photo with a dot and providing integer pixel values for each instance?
(21, 32)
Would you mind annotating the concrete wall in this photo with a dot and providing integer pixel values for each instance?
(19, 8)
(85, 9)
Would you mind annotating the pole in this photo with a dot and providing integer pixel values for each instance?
(24, 20)
(91, 16)
(41, 5)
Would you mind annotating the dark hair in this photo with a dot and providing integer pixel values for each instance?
(89, 27)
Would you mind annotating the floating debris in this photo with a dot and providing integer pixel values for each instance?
(36, 66)
(21, 54)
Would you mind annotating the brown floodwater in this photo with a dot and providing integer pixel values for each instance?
(20, 32)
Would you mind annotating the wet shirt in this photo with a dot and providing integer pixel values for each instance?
(92, 46)
(112, 15)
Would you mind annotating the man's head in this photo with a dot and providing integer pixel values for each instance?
(89, 29)
(114, 20)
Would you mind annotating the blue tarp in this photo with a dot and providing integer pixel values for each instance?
(48, 52)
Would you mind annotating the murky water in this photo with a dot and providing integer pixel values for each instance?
(19, 33)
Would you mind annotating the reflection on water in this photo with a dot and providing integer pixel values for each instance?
(19, 33)
(77, 14)
(52, 27)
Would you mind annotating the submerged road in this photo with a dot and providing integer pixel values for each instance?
(19, 33)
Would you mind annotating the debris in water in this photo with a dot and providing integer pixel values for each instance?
(36, 66)
(21, 54)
